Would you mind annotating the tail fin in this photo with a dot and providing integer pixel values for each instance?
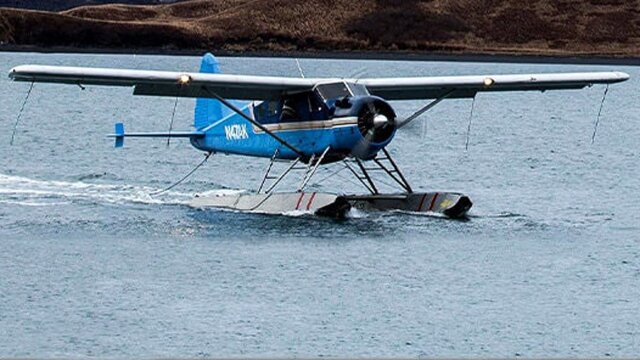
(209, 111)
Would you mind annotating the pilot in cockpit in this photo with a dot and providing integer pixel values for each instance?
(289, 111)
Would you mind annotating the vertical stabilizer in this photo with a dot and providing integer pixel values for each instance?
(207, 110)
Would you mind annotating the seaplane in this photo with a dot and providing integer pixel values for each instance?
(306, 123)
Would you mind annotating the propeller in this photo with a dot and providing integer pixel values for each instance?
(377, 123)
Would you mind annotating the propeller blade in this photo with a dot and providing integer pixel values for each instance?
(372, 109)
(362, 147)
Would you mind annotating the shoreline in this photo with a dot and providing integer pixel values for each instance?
(349, 55)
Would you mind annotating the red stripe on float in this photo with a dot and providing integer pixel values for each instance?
(299, 201)
(422, 202)
(313, 195)
(433, 201)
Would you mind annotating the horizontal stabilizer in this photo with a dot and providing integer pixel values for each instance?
(119, 134)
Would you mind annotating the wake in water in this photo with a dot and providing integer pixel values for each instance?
(31, 192)
(23, 191)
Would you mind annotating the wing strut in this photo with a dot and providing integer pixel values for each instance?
(257, 124)
(424, 109)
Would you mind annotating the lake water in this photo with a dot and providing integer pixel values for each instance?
(92, 265)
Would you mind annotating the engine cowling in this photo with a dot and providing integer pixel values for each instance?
(377, 126)
(376, 121)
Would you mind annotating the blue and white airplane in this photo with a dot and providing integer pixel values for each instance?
(310, 121)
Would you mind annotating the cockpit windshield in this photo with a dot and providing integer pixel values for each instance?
(333, 90)
(340, 89)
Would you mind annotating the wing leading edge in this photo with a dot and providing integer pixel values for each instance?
(248, 87)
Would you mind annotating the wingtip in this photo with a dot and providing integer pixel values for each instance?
(623, 75)
(14, 73)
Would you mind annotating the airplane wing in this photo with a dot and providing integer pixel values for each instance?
(248, 87)
(166, 83)
(469, 86)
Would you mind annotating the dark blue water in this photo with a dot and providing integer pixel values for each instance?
(92, 265)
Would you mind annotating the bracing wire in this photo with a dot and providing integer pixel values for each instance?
(300, 68)
(357, 74)
(595, 126)
(185, 177)
(377, 179)
(332, 174)
(173, 116)
(24, 103)
(473, 105)
(348, 178)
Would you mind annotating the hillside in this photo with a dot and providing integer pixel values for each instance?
(58, 5)
(547, 27)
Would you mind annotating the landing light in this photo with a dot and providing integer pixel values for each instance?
(488, 82)
(184, 79)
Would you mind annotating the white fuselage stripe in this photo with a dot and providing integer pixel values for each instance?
(309, 125)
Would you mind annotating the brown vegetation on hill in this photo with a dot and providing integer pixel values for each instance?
(59, 5)
(548, 27)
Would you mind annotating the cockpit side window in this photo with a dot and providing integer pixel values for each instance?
(303, 106)
(267, 112)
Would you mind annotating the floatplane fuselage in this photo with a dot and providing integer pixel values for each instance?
(343, 123)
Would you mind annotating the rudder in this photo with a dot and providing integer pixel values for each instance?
(207, 110)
